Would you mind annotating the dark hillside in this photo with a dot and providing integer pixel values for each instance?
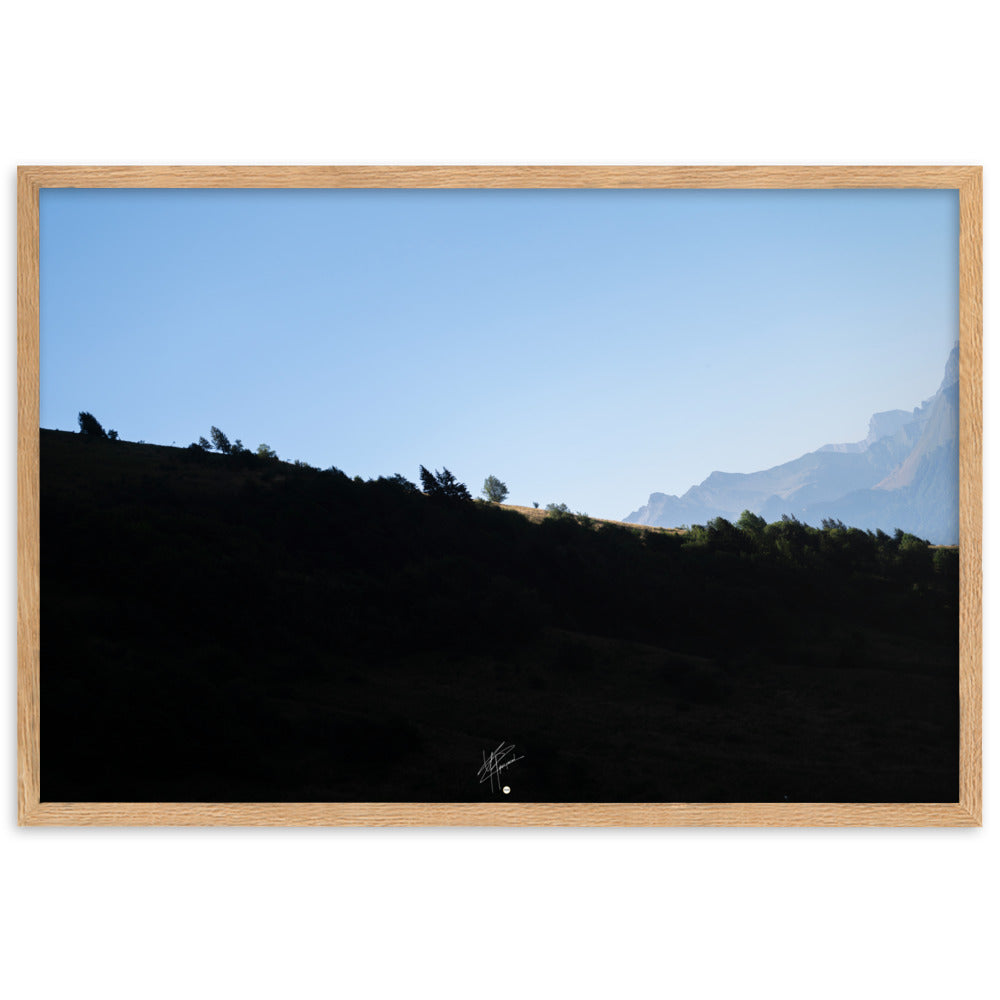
(228, 627)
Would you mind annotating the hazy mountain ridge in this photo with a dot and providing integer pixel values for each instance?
(903, 475)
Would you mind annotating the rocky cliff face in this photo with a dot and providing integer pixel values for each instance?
(903, 475)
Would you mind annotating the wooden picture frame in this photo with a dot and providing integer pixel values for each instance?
(967, 811)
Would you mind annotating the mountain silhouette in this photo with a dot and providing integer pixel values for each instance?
(903, 475)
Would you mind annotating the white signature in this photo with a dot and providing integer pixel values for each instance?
(501, 758)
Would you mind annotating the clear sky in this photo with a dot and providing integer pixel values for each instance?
(587, 347)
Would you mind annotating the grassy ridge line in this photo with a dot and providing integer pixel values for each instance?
(537, 515)
(121, 458)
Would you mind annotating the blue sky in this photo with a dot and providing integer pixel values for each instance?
(587, 347)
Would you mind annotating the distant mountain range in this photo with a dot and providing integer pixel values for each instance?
(903, 475)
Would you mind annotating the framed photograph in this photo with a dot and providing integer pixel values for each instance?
(596, 496)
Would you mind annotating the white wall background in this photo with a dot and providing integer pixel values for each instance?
(717, 913)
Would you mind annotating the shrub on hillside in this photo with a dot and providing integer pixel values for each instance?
(559, 512)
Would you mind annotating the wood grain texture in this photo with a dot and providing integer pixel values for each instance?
(28, 744)
(966, 812)
(501, 177)
(970, 514)
(500, 814)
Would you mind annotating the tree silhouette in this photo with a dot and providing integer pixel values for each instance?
(427, 481)
(494, 490)
(751, 523)
(221, 442)
(397, 479)
(443, 485)
(451, 488)
(90, 426)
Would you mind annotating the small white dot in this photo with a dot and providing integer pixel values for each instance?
(506, 789)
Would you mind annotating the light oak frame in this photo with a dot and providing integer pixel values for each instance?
(966, 812)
